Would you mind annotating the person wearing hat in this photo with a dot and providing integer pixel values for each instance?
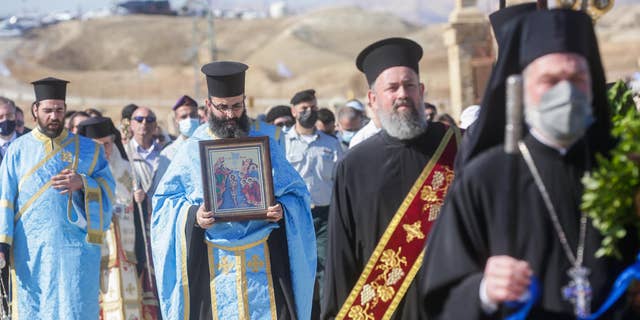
(369, 130)
(387, 193)
(119, 254)
(55, 206)
(186, 118)
(495, 234)
(351, 118)
(186, 237)
(314, 155)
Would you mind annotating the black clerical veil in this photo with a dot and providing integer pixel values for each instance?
(532, 36)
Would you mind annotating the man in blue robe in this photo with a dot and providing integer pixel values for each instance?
(206, 269)
(55, 205)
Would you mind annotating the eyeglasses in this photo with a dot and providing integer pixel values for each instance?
(225, 108)
(149, 119)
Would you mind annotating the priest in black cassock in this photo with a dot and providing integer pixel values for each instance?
(374, 182)
(497, 230)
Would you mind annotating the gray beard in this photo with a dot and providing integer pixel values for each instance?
(402, 126)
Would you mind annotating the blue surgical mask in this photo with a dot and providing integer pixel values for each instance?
(347, 135)
(188, 126)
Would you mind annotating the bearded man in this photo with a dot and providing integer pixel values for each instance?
(206, 269)
(387, 192)
(55, 205)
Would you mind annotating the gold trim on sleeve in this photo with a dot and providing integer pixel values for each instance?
(103, 183)
(96, 152)
(6, 204)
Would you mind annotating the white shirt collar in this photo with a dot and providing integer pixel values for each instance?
(11, 138)
(542, 139)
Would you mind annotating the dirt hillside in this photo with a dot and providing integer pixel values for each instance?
(102, 58)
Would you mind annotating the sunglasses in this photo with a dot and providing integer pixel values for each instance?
(149, 119)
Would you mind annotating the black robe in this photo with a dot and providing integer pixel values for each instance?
(473, 227)
(371, 182)
(198, 271)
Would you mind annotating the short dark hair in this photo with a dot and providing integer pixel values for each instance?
(78, 114)
(303, 96)
(277, 112)
(128, 110)
(428, 105)
(69, 113)
(93, 112)
(326, 116)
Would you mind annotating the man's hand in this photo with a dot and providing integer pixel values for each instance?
(67, 181)
(274, 214)
(506, 279)
(139, 195)
(204, 218)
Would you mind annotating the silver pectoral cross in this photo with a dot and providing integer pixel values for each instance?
(578, 291)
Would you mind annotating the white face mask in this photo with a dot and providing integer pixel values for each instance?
(564, 113)
(188, 126)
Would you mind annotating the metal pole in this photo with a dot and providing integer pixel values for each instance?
(195, 57)
(146, 249)
(513, 127)
(212, 40)
(144, 230)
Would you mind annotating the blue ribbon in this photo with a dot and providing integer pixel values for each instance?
(524, 307)
(619, 287)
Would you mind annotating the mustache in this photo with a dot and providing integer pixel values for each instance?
(403, 102)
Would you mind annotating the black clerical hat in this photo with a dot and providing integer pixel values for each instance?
(100, 127)
(503, 16)
(225, 78)
(303, 96)
(50, 88)
(185, 101)
(96, 127)
(387, 53)
(534, 35)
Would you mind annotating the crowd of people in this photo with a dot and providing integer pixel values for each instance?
(383, 209)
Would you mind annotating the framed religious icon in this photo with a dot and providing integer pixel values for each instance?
(236, 178)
